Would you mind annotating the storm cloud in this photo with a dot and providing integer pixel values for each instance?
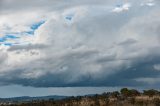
(79, 43)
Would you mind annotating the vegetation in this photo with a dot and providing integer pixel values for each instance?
(151, 92)
(129, 93)
(126, 97)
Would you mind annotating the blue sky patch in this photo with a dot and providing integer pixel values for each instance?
(11, 36)
(69, 18)
(8, 44)
(29, 32)
(2, 39)
(34, 27)
(119, 5)
(37, 25)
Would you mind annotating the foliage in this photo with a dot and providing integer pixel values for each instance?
(151, 92)
(129, 93)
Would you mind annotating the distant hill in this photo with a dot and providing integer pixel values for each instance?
(29, 99)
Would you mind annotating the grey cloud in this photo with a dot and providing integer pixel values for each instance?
(49, 5)
(128, 42)
(27, 47)
(105, 49)
(3, 57)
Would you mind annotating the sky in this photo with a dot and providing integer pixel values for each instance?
(46, 44)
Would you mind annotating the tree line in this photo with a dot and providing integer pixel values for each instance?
(124, 97)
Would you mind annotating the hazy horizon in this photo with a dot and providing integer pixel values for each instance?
(20, 91)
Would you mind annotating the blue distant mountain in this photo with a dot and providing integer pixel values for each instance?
(28, 99)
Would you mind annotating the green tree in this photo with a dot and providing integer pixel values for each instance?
(125, 92)
(134, 92)
(129, 93)
(115, 94)
(150, 92)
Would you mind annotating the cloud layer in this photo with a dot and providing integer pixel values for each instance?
(81, 43)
